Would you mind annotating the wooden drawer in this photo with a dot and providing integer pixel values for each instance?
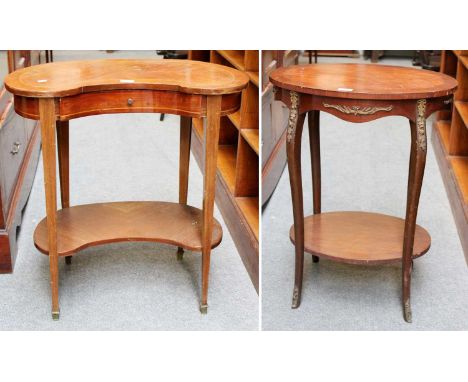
(131, 101)
(13, 144)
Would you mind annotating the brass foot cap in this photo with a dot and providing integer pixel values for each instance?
(408, 314)
(180, 254)
(203, 308)
(55, 315)
(295, 305)
(296, 300)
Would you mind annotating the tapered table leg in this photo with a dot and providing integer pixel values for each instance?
(314, 142)
(64, 166)
(415, 178)
(293, 152)
(48, 118)
(211, 137)
(184, 165)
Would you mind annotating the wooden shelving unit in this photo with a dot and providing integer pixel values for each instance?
(450, 141)
(237, 179)
(251, 136)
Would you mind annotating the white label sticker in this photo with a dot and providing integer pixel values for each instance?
(345, 90)
(127, 81)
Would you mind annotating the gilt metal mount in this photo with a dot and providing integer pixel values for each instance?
(421, 124)
(293, 115)
(358, 110)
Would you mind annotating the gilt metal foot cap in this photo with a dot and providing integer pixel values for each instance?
(203, 308)
(407, 311)
(296, 301)
(55, 315)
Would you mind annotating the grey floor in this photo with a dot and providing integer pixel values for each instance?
(364, 168)
(125, 286)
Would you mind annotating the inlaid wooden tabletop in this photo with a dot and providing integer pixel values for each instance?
(364, 81)
(68, 78)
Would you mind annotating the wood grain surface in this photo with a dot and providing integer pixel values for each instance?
(87, 225)
(363, 81)
(128, 101)
(359, 237)
(58, 92)
(67, 78)
(48, 126)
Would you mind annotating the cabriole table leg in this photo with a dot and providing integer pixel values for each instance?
(293, 152)
(415, 178)
(314, 143)
(211, 137)
(48, 118)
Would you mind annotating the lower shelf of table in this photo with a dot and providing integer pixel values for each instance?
(359, 237)
(88, 225)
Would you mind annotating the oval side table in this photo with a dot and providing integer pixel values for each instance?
(60, 91)
(358, 93)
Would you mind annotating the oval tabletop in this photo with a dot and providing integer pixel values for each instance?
(67, 78)
(364, 81)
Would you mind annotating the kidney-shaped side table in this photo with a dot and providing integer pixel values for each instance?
(58, 92)
(358, 93)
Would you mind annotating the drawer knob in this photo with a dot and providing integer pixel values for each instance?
(15, 149)
(130, 101)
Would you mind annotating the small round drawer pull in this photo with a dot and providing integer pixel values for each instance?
(130, 101)
(15, 149)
